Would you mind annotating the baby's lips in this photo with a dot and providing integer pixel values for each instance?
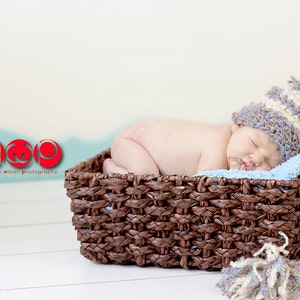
(245, 166)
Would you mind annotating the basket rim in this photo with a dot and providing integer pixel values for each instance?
(77, 171)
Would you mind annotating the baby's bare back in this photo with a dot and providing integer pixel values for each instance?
(181, 147)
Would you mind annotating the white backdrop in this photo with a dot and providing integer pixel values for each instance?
(86, 68)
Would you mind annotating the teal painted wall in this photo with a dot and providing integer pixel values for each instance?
(74, 150)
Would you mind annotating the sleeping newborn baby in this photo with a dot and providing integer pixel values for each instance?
(263, 134)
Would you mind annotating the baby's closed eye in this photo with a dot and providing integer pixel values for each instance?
(253, 143)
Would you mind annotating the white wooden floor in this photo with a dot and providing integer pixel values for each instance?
(40, 259)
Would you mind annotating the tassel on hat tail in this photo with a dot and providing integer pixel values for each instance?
(272, 277)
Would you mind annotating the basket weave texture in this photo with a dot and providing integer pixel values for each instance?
(178, 221)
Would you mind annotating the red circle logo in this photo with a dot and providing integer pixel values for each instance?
(19, 153)
(2, 153)
(47, 153)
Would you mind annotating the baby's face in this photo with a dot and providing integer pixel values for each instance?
(251, 149)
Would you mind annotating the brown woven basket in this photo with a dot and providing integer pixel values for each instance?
(178, 221)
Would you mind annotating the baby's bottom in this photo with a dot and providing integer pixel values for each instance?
(129, 156)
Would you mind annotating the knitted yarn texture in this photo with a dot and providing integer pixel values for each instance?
(278, 115)
(272, 277)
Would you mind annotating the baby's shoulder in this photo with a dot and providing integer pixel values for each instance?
(215, 141)
(214, 132)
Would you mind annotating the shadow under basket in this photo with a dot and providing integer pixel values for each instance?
(178, 221)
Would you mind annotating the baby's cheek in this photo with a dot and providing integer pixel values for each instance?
(234, 164)
(264, 167)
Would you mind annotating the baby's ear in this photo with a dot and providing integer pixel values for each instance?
(235, 127)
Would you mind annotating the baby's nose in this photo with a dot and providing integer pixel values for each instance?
(257, 158)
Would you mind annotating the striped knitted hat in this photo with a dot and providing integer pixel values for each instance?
(278, 115)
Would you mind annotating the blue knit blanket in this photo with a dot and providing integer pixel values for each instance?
(285, 171)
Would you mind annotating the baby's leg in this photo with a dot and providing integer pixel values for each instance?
(128, 155)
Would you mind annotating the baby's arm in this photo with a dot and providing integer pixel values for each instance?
(210, 163)
(214, 153)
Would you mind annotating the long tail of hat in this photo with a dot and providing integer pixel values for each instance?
(294, 84)
(293, 92)
(285, 101)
